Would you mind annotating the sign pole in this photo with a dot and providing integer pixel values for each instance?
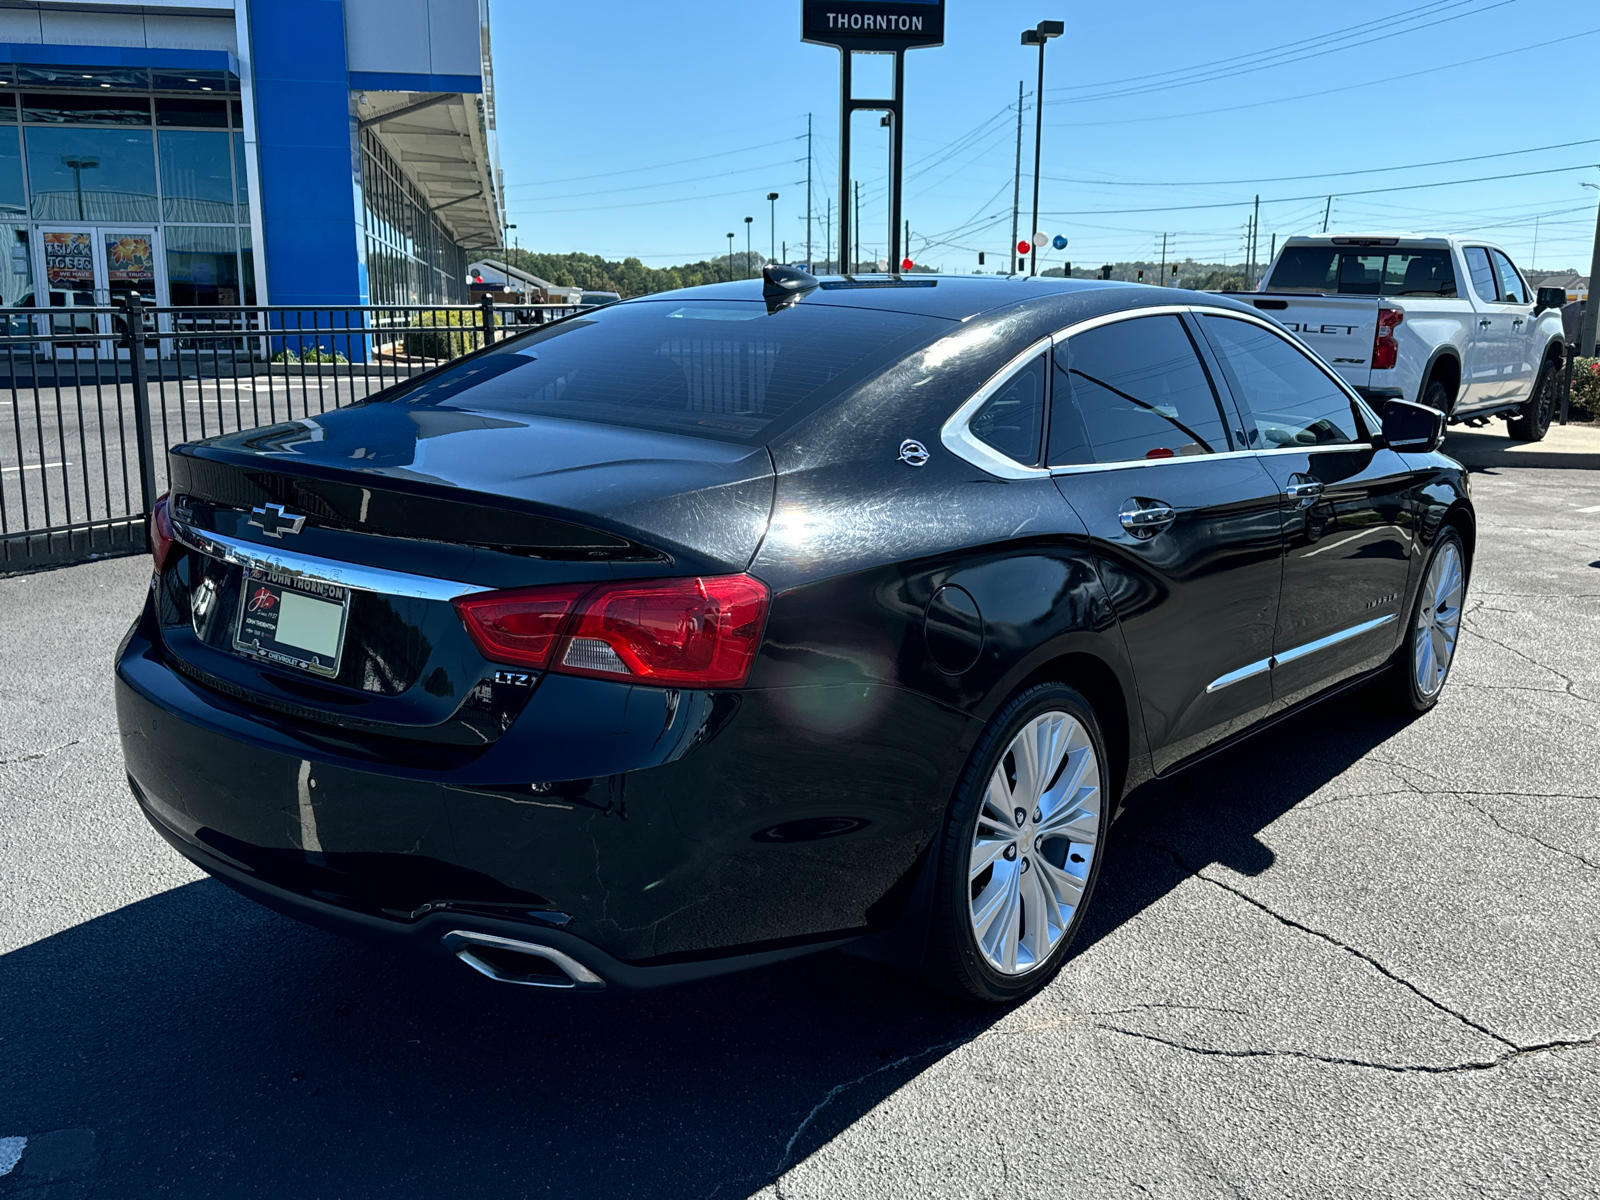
(844, 154)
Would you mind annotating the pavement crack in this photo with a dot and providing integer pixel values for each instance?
(22, 758)
(1333, 941)
(1513, 1053)
(1571, 687)
(784, 1160)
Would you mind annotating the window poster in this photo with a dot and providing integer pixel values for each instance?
(129, 256)
(68, 259)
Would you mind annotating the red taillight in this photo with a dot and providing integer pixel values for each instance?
(689, 632)
(1385, 350)
(161, 536)
(519, 625)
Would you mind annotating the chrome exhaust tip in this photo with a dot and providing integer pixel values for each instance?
(507, 960)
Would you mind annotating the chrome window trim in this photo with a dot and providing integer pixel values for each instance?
(960, 441)
(321, 570)
(1274, 661)
(965, 445)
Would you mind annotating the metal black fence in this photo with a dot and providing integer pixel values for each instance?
(92, 398)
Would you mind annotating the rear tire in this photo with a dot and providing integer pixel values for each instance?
(1436, 395)
(1422, 663)
(1532, 422)
(1021, 848)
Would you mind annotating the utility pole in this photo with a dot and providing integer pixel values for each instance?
(1325, 214)
(827, 234)
(855, 257)
(908, 240)
(1591, 308)
(809, 259)
(1038, 36)
(1255, 240)
(1163, 260)
(1272, 253)
(1016, 186)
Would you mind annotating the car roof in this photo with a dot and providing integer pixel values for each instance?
(955, 297)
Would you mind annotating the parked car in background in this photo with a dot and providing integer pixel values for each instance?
(750, 620)
(592, 299)
(1445, 321)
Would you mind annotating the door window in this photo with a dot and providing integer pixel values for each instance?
(1512, 289)
(1285, 399)
(1013, 419)
(1132, 390)
(1482, 273)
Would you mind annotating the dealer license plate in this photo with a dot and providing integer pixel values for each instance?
(296, 622)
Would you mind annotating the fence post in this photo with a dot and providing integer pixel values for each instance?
(141, 401)
(486, 305)
(1566, 390)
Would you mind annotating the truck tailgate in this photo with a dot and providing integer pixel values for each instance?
(1339, 328)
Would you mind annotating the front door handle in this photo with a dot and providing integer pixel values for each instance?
(1485, 323)
(1146, 518)
(1517, 324)
(1303, 487)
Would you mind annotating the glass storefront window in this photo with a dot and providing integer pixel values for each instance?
(16, 273)
(82, 77)
(106, 108)
(207, 114)
(202, 265)
(91, 174)
(247, 265)
(196, 176)
(193, 81)
(241, 181)
(13, 200)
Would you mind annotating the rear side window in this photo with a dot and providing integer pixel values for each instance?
(1284, 398)
(1332, 271)
(1482, 273)
(1512, 289)
(722, 369)
(1132, 390)
(1012, 421)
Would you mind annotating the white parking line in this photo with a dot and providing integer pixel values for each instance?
(1593, 508)
(11, 1152)
(33, 467)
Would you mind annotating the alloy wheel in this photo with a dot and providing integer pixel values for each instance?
(1034, 843)
(1438, 620)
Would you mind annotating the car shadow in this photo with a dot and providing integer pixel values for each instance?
(1494, 451)
(217, 1049)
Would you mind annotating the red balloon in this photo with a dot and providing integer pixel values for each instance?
(905, 264)
(1024, 247)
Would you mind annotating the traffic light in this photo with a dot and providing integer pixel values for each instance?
(1066, 270)
(1141, 274)
(980, 258)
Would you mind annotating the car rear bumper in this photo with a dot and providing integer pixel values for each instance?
(647, 850)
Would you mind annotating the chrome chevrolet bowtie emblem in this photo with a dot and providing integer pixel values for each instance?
(274, 522)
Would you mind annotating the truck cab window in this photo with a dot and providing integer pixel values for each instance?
(1419, 273)
(1478, 266)
(1512, 289)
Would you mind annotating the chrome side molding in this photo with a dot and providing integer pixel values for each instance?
(1277, 660)
(321, 570)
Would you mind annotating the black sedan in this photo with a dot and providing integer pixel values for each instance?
(726, 625)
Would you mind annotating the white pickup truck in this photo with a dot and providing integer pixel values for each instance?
(1445, 321)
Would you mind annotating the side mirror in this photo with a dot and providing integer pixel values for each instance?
(1412, 428)
(1549, 297)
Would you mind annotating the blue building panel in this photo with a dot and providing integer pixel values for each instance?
(388, 81)
(56, 55)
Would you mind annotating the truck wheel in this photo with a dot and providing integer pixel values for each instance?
(1531, 422)
(1436, 395)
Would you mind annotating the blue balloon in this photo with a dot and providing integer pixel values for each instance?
(1059, 242)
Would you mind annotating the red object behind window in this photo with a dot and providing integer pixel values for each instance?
(690, 632)
(161, 535)
(1385, 350)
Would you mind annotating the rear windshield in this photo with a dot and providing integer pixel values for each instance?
(1362, 272)
(724, 369)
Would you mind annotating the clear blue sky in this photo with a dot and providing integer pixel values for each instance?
(653, 129)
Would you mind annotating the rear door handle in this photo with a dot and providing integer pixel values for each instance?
(1146, 518)
(1302, 487)
(1485, 323)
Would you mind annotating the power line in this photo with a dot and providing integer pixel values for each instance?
(545, 212)
(1408, 187)
(1348, 87)
(675, 163)
(1441, 162)
(788, 162)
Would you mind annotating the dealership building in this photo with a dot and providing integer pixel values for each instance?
(315, 153)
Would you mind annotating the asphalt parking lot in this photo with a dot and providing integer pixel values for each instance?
(1355, 956)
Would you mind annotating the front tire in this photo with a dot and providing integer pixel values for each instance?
(1532, 422)
(1422, 663)
(1020, 851)
(1436, 395)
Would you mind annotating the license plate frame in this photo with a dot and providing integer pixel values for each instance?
(264, 598)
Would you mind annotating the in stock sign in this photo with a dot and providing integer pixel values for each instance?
(873, 24)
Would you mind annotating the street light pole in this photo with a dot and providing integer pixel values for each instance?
(772, 225)
(78, 166)
(1038, 36)
(730, 257)
(1591, 309)
(747, 221)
